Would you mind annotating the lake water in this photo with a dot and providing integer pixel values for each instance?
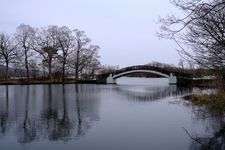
(136, 114)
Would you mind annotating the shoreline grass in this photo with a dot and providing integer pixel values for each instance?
(212, 102)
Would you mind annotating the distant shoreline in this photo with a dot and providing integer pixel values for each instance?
(194, 83)
(46, 81)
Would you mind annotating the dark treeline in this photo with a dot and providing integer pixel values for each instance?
(50, 52)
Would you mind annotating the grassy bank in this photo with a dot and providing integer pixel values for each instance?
(211, 102)
(36, 81)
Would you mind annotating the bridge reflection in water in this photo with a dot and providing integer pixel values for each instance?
(152, 93)
(56, 114)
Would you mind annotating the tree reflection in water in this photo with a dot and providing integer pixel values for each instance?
(4, 112)
(215, 126)
(53, 112)
(56, 121)
(215, 123)
(63, 113)
(26, 130)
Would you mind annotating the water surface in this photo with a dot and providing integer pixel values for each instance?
(135, 114)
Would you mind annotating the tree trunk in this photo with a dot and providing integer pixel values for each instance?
(27, 67)
(63, 69)
(77, 65)
(50, 69)
(7, 70)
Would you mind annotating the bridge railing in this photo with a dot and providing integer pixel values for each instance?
(166, 70)
(176, 71)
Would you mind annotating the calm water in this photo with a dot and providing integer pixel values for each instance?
(137, 114)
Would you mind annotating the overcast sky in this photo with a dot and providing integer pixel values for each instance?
(124, 29)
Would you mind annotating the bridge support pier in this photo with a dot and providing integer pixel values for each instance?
(110, 80)
(172, 79)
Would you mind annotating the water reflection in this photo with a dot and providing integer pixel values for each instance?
(4, 112)
(149, 93)
(214, 142)
(52, 112)
(57, 123)
(26, 130)
(56, 114)
(214, 137)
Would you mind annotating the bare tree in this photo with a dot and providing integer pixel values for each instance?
(65, 40)
(58, 48)
(25, 35)
(200, 34)
(89, 63)
(81, 41)
(34, 68)
(181, 63)
(92, 68)
(173, 25)
(47, 46)
(106, 69)
(7, 51)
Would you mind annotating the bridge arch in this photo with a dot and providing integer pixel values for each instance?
(112, 79)
(139, 71)
(175, 75)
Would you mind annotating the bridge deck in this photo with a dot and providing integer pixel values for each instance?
(179, 73)
(176, 71)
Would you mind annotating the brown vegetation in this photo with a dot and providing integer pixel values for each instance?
(212, 102)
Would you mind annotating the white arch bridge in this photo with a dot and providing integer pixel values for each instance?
(111, 79)
(175, 76)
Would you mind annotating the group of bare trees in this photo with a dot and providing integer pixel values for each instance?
(52, 50)
(200, 33)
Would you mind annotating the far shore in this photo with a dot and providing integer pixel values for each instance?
(45, 81)
(196, 83)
